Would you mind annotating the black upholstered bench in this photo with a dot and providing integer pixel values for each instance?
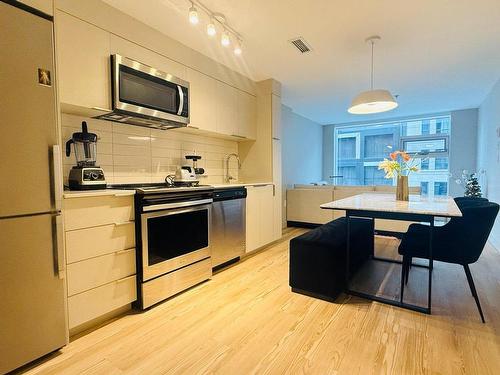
(318, 257)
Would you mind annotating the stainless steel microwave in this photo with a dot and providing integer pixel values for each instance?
(145, 96)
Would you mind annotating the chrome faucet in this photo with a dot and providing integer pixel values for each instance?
(228, 176)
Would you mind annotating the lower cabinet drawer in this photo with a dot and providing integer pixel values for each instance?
(165, 286)
(94, 272)
(89, 305)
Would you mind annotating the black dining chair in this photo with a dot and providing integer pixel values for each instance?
(460, 241)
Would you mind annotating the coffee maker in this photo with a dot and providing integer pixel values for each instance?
(85, 175)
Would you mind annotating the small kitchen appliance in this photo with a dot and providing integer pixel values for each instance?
(86, 175)
(187, 175)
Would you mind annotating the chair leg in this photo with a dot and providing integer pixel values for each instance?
(473, 290)
(403, 277)
(407, 271)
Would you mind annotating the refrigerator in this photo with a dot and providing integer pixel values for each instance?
(32, 304)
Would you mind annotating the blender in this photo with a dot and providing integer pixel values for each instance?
(85, 175)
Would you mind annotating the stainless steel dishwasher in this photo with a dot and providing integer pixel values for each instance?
(228, 226)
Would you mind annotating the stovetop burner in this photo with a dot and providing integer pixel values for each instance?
(146, 188)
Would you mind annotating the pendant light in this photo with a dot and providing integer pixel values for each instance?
(372, 101)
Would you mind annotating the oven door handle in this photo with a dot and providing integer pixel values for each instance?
(167, 206)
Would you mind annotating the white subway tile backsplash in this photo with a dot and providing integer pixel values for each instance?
(131, 154)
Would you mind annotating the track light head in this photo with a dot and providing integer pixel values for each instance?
(193, 15)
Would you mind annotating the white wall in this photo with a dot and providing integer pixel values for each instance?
(463, 145)
(488, 151)
(302, 149)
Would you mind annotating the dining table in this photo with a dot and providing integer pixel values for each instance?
(419, 208)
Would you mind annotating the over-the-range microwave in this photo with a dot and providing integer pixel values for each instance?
(145, 96)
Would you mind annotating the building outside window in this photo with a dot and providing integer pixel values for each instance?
(360, 148)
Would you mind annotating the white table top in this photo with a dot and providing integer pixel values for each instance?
(440, 207)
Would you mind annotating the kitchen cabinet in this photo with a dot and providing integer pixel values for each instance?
(247, 115)
(276, 116)
(45, 6)
(226, 112)
(278, 194)
(145, 56)
(83, 63)
(203, 100)
(100, 256)
(259, 216)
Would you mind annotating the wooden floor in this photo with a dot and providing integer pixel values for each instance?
(246, 321)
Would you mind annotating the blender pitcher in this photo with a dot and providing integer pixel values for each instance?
(86, 174)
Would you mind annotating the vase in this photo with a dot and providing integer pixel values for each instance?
(402, 191)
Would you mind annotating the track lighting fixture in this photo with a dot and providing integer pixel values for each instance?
(228, 33)
(211, 30)
(193, 15)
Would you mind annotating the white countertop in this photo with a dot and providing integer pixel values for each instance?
(96, 193)
(442, 207)
(68, 194)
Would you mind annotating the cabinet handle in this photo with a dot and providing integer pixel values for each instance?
(119, 252)
(276, 139)
(238, 136)
(124, 223)
(102, 109)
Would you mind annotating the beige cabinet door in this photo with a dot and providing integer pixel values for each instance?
(276, 116)
(83, 63)
(278, 194)
(247, 115)
(203, 100)
(267, 229)
(226, 109)
(145, 56)
(45, 6)
(252, 219)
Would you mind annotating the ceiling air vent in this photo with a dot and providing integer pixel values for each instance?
(301, 44)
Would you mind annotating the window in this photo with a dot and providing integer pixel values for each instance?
(440, 188)
(376, 145)
(441, 163)
(424, 188)
(374, 176)
(359, 149)
(426, 127)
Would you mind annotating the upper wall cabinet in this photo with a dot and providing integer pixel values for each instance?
(146, 56)
(247, 115)
(46, 6)
(83, 63)
(276, 116)
(226, 112)
(203, 100)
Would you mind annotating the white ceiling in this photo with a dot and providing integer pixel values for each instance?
(438, 55)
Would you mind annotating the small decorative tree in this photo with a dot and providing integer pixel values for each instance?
(472, 188)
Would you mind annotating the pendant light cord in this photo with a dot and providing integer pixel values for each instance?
(372, 42)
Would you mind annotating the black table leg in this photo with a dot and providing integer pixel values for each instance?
(431, 265)
(348, 248)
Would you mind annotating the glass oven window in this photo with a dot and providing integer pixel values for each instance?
(144, 90)
(177, 234)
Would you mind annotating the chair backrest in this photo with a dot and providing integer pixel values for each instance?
(468, 234)
(467, 201)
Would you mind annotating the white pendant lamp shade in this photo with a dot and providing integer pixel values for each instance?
(372, 101)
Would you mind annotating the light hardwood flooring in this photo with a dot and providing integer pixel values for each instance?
(245, 320)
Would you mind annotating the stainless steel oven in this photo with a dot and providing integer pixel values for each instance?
(145, 96)
(172, 240)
